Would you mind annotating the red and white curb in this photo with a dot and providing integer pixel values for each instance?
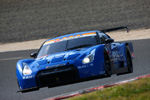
(95, 88)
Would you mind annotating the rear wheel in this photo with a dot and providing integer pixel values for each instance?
(107, 67)
(129, 61)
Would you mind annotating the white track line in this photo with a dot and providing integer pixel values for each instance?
(13, 58)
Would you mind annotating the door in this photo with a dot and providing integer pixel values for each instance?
(113, 51)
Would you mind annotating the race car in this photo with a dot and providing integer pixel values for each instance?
(74, 56)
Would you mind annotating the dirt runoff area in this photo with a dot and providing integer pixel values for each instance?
(118, 36)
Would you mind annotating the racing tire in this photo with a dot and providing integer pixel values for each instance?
(108, 71)
(18, 84)
(129, 61)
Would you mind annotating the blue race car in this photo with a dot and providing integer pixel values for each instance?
(74, 56)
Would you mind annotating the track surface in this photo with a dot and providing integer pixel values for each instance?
(32, 19)
(8, 85)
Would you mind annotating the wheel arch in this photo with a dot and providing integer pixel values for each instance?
(130, 48)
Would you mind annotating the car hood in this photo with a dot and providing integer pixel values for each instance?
(62, 57)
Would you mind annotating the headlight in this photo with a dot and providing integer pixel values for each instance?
(26, 69)
(86, 60)
(89, 58)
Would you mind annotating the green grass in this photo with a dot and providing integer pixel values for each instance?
(136, 90)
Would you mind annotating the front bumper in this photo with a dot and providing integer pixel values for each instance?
(47, 77)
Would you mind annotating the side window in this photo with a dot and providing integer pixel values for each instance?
(107, 36)
(103, 37)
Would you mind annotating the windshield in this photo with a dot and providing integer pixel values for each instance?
(67, 45)
(81, 42)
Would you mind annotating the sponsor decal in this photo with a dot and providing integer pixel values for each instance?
(70, 37)
(116, 56)
(27, 77)
(83, 66)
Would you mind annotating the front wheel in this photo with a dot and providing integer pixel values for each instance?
(107, 66)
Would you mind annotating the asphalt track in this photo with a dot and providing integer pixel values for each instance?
(8, 85)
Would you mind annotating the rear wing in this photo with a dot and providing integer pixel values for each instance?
(115, 29)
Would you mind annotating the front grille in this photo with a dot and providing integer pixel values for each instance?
(56, 75)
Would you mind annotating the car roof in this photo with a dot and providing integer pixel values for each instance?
(72, 34)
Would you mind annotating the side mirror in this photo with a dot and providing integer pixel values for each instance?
(34, 54)
(109, 40)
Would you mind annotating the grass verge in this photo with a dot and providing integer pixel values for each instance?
(136, 90)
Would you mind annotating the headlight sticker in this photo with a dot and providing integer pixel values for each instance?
(26, 69)
(89, 58)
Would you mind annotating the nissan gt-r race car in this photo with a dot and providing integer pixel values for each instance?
(74, 56)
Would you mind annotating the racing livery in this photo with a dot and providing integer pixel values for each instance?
(74, 56)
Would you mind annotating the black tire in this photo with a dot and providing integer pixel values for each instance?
(18, 86)
(129, 61)
(107, 65)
